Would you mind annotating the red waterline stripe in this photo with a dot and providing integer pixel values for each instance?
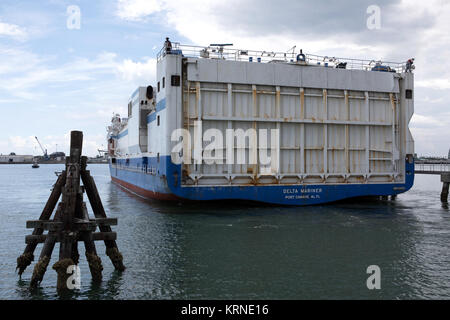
(145, 193)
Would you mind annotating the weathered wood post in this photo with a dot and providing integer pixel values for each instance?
(49, 244)
(445, 179)
(91, 189)
(70, 197)
(28, 254)
(71, 223)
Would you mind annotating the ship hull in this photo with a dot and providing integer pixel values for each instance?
(161, 181)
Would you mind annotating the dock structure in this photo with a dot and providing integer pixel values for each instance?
(71, 224)
(445, 179)
(437, 168)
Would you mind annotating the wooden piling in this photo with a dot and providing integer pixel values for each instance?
(445, 179)
(28, 254)
(61, 267)
(46, 253)
(91, 189)
(94, 261)
(71, 224)
(41, 266)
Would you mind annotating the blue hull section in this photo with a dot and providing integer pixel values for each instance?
(161, 179)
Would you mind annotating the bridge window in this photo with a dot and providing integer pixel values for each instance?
(164, 82)
(158, 86)
(158, 120)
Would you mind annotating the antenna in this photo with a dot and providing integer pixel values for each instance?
(220, 46)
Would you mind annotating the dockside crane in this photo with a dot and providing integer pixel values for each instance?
(42, 148)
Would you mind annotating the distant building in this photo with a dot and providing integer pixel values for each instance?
(13, 158)
(448, 157)
(59, 156)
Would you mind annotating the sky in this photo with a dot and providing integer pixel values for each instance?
(59, 73)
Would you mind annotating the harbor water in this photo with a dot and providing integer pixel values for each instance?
(241, 251)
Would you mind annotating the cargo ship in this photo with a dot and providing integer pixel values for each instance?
(285, 128)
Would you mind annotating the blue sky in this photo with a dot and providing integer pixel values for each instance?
(54, 79)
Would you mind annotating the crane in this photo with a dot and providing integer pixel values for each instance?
(43, 150)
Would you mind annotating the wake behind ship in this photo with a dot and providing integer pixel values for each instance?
(282, 128)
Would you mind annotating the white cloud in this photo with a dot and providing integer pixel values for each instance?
(13, 31)
(142, 72)
(425, 121)
(432, 142)
(429, 100)
(20, 143)
(24, 71)
(136, 10)
(436, 83)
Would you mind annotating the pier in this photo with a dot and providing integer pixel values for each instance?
(436, 168)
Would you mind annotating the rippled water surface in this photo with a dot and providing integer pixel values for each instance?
(238, 251)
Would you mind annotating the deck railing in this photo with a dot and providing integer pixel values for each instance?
(223, 52)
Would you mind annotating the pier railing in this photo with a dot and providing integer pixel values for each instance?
(223, 52)
(437, 168)
(432, 168)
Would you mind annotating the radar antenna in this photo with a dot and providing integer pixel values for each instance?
(220, 47)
